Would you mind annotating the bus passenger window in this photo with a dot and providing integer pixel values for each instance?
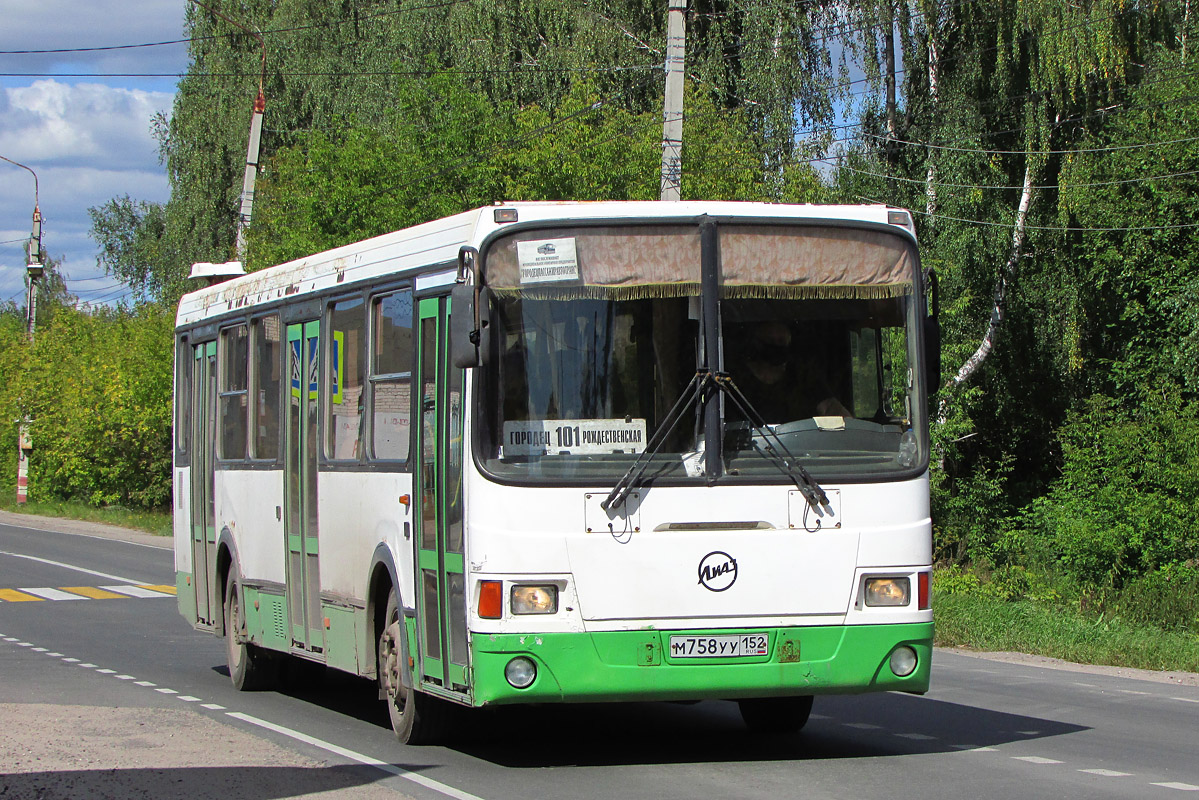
(268, 352)
(234, 358)
(391, 375)
(344, 339)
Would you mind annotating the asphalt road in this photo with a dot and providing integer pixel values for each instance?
(988, 728)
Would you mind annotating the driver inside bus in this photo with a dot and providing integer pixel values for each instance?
(771, 378)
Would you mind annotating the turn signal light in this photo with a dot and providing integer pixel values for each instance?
(491, 599)
(922, 591)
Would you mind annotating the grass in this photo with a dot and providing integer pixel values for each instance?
(155, 522)
(981, 622)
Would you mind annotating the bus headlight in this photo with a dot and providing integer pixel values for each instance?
(903, 661)
(521, 672)
(888, 591)
(534, 599)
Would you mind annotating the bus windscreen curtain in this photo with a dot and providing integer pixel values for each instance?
(648, 261)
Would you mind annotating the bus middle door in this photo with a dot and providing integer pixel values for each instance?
(300, 497)
(440, 578)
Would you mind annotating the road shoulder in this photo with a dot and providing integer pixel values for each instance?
(82, 528)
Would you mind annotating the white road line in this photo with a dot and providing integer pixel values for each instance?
(1106, 773)
(71, 660)
(863, 726)
(213, 707)
(1182, 787)
(1036, 760)
(1029, 733)
(1185, 699)
(187, 698)
(24, 644)
(71, 566)
(1088, 685)
(124, 677)
(107, 671)
(166, 691)
(918, 737)
(40, 650)
(145, 683)
(51, 594)
(54, 655)
(87, 666)
(135, 591)
(1130, 691)
(973, 748)
(391, 769)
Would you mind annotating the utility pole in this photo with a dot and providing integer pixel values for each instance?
(672, 117)
(34, 271)
(251, 174)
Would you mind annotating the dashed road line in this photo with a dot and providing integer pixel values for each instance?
(1036, 760)
(1106, 773)
(1182, 787)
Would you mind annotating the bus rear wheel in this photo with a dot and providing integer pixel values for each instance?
(416, 717)
(250, 668)
(779, 715)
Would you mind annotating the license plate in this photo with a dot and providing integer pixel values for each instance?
(741, 645)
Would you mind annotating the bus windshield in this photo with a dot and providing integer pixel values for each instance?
(818, 335)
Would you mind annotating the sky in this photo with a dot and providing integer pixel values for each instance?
(85, 134)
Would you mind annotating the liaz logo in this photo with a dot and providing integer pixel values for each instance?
(717, 571)
(547, 249)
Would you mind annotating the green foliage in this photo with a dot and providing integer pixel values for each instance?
(1128, 499)
(96, 387)
(1167, 598)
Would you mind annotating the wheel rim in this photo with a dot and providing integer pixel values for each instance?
(235, 647)
(389, 664)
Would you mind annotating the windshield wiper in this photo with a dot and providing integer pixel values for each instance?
(787, 463)
(695, 389)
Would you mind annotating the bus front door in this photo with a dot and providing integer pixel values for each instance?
(203, 511)
(440, 577)
(299, 496)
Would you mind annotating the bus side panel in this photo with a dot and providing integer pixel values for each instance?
(248, 504)
(359, 510)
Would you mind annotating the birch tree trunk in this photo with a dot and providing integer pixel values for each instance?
(999, 306)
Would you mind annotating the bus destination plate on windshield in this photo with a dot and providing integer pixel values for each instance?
(539, 437)
(742, 645)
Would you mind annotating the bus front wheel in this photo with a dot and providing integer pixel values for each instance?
(779, 715)
(416, 717)
(249, 667)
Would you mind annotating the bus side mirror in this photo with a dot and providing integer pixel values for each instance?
(470, 322)
(932, 332)
(932, 353)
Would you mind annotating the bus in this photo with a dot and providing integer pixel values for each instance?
(569, 452)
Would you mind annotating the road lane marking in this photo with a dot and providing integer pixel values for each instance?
(917, 737)
(187, 698)
(1182, 787)
(1185, 699)
(1036, 760)
(863, 726)
(391, 769)
(213, 707)
(70, 566)
(94, 593)
(973, 748)
(144, 683)
(1106, 773)
(135, 591)
(50, 594)
(41, 593)
(71, 660)
(13, 596)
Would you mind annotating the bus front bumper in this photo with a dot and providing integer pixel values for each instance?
(639, 665)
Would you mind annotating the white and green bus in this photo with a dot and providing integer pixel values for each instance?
(569, 452)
